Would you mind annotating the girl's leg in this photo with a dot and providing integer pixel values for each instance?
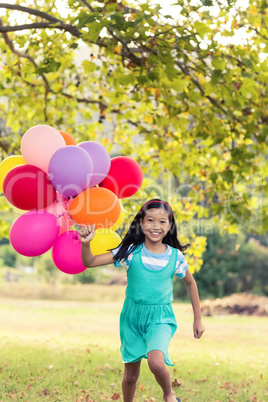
(158, 367)
(131, 375)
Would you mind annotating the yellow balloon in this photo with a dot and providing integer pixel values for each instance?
(7, 164)
(119, 221)
(104, 240)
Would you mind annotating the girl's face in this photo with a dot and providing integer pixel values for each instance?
(155, 224)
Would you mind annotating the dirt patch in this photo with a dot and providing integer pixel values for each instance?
(242, 304)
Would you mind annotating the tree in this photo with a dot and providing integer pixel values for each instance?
(232, 263)
(8, 257)
(185, 104)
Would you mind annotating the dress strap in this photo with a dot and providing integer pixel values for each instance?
(135, 254)
(175, 251)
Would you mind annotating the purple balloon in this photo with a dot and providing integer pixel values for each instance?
(66, 253)
(34, 233)
(70, 170)
(101, 160)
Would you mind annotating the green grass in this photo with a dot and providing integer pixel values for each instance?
(66, 350)
(35, 289)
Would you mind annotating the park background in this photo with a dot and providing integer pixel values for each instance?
(183, 91)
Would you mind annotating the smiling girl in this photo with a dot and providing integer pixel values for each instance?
(152, 255)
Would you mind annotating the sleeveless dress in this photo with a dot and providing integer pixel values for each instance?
(147, 320)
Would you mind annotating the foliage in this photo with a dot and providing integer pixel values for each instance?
(8, 256)
(231, 264)
(88, 276)
(46, 268)
(178, 93)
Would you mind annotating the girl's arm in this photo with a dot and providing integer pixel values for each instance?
(192, 291)
(86, 234)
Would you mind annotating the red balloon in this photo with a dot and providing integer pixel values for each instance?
(28, 187)
(124, 178)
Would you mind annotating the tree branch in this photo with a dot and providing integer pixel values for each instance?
(84, 100)
(257, 32)
(60, 24)
(138, 61)
(31, 11)
(121, 7)
(23, 55)
(88, 6)
(47, 86)
(4, 145)
(66, 27)
(186, 71)
(127, 52)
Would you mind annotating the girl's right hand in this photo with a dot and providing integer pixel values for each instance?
(86, 234)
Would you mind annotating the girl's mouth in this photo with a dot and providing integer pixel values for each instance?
(155, 234)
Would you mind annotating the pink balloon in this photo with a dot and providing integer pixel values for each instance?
(39, 144)
(34, 233)
(66, 253)
(58, 208)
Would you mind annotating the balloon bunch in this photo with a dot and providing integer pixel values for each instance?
(61, 183)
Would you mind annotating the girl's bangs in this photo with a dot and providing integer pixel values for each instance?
(157, 205)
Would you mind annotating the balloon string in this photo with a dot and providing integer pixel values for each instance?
(67, 210)
(59, 216)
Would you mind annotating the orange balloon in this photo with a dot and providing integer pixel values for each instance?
(95, 205)
(68, 138)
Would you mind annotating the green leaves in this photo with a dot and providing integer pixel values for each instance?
(219, 63)
(201, 28)
(175, 97)
(207, 2)
(84, 18)
(89, 66)
(94, 29)
(49, 65)
(248, 87)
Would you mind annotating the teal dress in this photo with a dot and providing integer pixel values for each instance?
(147, 320)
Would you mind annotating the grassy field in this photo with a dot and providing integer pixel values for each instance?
(69, 351)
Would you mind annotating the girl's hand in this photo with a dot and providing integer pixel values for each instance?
(86, 234)
(198, 328)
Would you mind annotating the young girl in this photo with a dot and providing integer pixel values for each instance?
(152, 254)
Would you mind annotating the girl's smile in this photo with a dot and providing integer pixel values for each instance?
(155, 234)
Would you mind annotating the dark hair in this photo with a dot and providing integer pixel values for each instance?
(135, 235)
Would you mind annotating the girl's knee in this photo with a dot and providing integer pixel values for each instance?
(131, 378)
(156, 364)
(131, 373)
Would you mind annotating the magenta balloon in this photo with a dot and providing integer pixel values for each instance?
(66, 253)
(100, 158)
(34, 233)
(70, 170)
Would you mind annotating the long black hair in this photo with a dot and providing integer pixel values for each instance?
(135, 235)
